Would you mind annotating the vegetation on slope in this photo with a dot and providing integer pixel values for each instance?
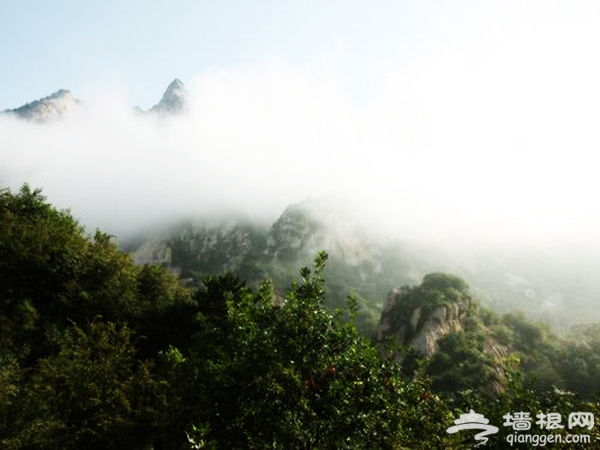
(99, 353)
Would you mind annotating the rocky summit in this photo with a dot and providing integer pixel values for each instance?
(55, 106)
(48, 108)
(173, 100)
(420, 317)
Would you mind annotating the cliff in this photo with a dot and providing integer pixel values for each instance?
(419, 317)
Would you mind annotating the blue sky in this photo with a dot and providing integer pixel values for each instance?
(140, 46)
(475, 115)
(143, 45)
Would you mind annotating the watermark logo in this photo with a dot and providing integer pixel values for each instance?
(474, 421)
(522, 421)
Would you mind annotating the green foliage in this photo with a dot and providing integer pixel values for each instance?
(462, 362)
(91, 393)
(539, 349)
(70, 373)
(98, 353)
(580, 360)
(476, 357)
(11, 380)
(449, 285)
(435, 291)
(40, 249)
(290, 375)
(53, 274)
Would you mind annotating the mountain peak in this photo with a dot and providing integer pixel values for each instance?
(175, 84)
(173, 100)
(47, 108)
(61, 93)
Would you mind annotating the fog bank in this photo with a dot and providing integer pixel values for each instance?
(437, 151)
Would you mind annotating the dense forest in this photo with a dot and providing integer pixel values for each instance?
(97, 352)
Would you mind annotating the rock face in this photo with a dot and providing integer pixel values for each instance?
(220, 247)
(441, 322)
(357, 262)
(173, 101)
(305, 228)
(295, 234)
(48, 108)
(153, 252)
(419, 317)
(55, 106)
(204, 247)
(292, 241)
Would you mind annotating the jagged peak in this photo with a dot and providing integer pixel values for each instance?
(173, 100)
(47, 108)
(55, 105)
(175, 84)
(60, 93)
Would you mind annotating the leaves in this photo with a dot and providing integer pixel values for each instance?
(289, 374)
(99, 353)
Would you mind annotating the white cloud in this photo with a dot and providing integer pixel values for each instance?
(491, 133)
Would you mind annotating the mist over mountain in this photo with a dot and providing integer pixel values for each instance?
(250, 225)
(258, 139)
(392, 207)
(544, 283)
(78, 313)
(48, 108)
(56, 105)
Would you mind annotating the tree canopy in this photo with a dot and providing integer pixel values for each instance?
(99, 353)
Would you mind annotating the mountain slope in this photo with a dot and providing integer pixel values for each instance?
(173, 101)
(358, 262)
(362, 262)
(55, 106)
(48, 108)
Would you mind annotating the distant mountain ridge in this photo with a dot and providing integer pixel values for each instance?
(48, 108)
(363, 263)
(62, 102)
(196, 248)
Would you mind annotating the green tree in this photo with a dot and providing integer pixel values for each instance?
(286, 373)
(262, 363)
(92, 394)
(580, 360)
(71, 376)
(53, 274)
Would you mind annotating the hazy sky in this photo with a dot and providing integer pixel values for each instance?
(471, 116)
(141, 46)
